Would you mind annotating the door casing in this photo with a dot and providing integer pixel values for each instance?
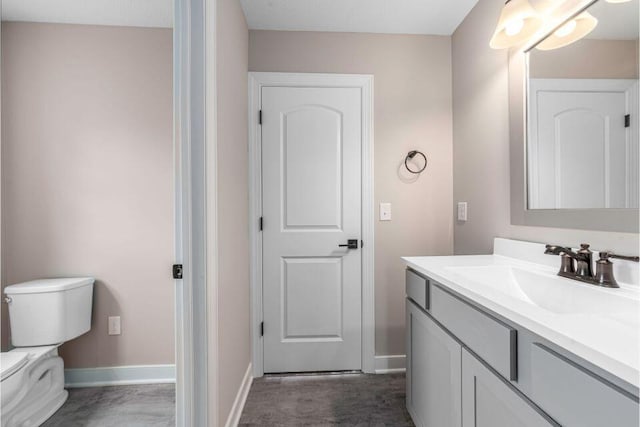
(194, 137)
(258, 80)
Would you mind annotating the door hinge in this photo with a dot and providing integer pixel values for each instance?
(261, 329)
(260, 117)
(627, 120)
(177, 271)
(261, 223)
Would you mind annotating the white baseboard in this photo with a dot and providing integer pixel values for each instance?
(390, 364)
(120, 375)
(241, 398)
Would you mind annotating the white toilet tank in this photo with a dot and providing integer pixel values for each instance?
(49, 311)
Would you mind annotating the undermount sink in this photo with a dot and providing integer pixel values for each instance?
(550, 292)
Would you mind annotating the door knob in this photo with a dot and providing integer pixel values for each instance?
(351, 244)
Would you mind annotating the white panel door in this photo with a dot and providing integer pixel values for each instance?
(578, 146)
(311, 186)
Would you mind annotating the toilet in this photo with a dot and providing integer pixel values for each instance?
(43, 314)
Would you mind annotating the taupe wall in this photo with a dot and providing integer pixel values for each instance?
(234, 344)
(87, 178)
(412, 110)
(481, 145)
(587, 59)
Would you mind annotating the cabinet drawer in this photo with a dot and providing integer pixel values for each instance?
(493, 341)
(574, 396)
(417, 289)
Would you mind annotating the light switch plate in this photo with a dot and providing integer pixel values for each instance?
(385, 211)
(462, 211)
(114, 325)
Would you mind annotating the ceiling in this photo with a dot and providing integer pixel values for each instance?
(360, 16)
(616, 21)
(135, 13)
(369, 16)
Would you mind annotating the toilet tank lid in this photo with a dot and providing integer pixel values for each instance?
(48, 285)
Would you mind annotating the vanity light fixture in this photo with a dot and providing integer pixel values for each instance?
(518, 22)
(570, 32)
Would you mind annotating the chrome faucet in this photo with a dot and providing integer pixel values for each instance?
(578, 265)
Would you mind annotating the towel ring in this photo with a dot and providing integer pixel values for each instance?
(411, 155)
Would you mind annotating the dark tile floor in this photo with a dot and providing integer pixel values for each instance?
(327, 400)
(130, 406)
(307, 400)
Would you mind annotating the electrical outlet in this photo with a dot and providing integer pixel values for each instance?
(114, 325)
(462, 211)
(385, 211)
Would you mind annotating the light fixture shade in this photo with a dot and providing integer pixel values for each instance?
(584, 24)
(518, 22)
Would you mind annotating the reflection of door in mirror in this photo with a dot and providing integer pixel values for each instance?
(582, 148)
(579, 150)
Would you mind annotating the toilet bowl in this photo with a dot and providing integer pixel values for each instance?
(35, 390)
(43, 314)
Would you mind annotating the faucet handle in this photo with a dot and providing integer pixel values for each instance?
(605, 255)
(604, 271)
(604, 268)
(584, 248)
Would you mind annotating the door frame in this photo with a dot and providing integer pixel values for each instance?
(258, 80)
(194, 214)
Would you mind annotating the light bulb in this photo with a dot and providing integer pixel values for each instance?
(570, 32)
(566, 29)
(518, 22)
(514, 27)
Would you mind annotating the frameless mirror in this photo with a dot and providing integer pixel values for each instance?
(563, 189)
(582, 114)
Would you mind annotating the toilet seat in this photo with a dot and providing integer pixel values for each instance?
(11, 362)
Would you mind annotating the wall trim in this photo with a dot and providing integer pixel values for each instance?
(390, 364)
(120, 375)
(241, 398)
(258, 80)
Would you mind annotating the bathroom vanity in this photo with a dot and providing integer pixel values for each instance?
(501, 340)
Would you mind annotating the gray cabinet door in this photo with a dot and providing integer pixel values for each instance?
(576, 397)
(487, 401)
(433, 372)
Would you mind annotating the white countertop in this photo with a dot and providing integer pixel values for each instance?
(599, 332)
